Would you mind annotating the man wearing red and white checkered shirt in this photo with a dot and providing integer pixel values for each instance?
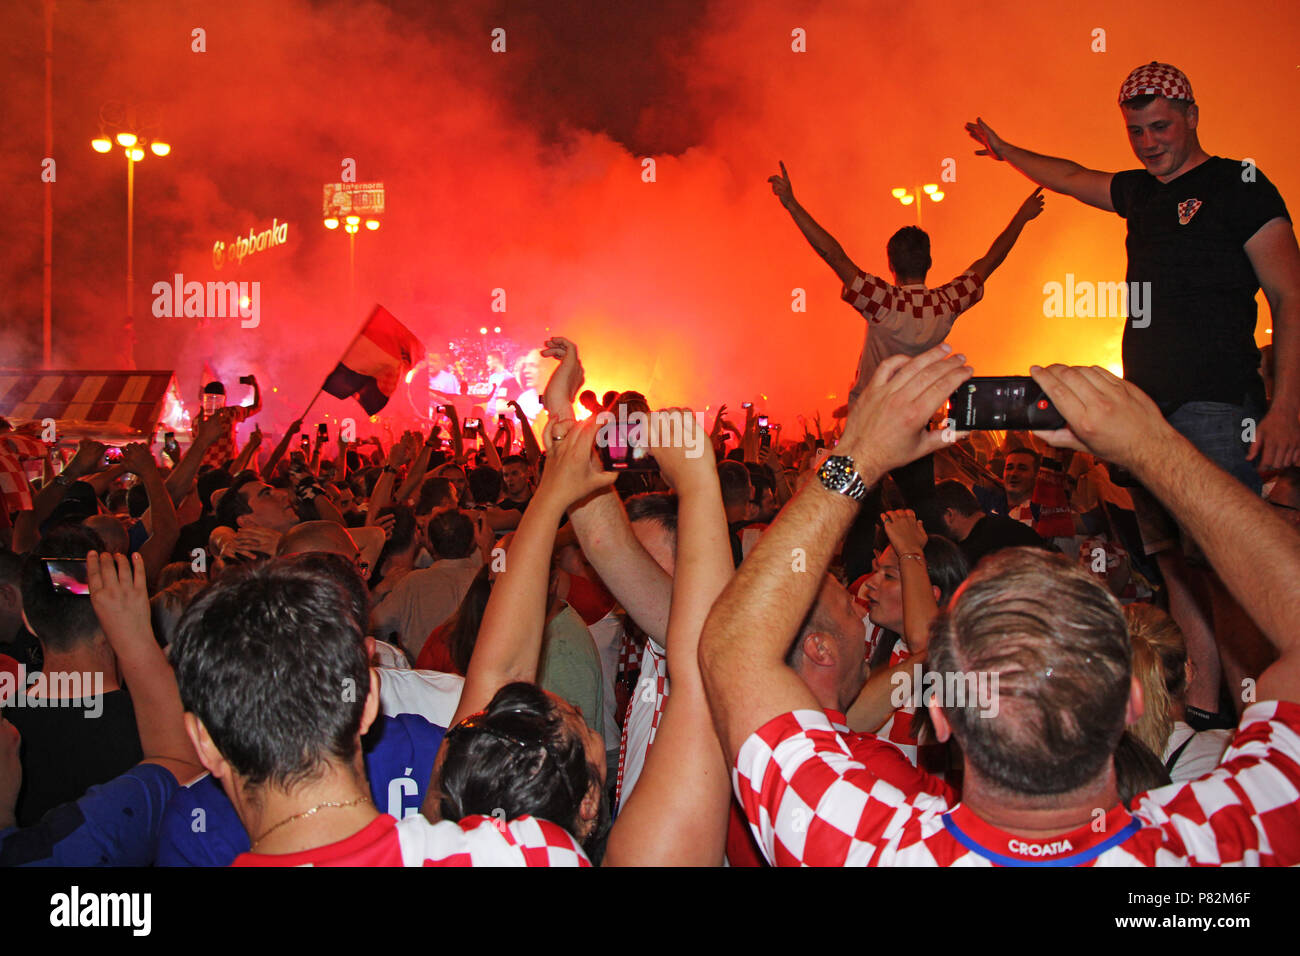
(903, 317)
(1034, 664)
(213, 398)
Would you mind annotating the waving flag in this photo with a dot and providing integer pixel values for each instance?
(370, 371)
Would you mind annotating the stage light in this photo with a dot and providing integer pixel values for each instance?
(102, 144)
(483, 330)
(160, 149)
(126, 139)
(497, 330)
(898, 192)
(331, 223)
(906, 200)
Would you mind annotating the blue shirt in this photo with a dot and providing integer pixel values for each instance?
(200, 826)
(114, 824)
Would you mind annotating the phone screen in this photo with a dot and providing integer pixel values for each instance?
(1014, 402)
(68, 574)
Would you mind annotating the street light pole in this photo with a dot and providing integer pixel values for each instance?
(130, 254)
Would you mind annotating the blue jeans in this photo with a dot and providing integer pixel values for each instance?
(1216, 429)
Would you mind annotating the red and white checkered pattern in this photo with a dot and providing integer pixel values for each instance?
(905, 320)
(809, 802)
(1156, 79)
(475, 841)
(224, 448)
(644, 711)
(877, 299)
(15, 489)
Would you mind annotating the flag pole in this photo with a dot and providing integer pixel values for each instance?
(346, 349)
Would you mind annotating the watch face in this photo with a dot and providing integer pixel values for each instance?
(836, 472)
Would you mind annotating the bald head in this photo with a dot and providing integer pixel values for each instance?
(324, 537)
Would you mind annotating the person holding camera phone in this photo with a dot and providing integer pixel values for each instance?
(212, 399)
(905, 317)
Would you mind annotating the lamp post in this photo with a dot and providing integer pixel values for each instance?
(121, 123)
(351, 225)
(914, 197)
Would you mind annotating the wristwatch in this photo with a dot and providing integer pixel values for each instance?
(838, 474)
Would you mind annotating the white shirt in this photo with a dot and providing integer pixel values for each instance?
(431, 694)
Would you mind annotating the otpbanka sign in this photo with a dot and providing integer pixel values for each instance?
(243, 246)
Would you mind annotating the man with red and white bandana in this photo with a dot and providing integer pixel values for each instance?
(903, 317)
(213, 399)
(1039, 784)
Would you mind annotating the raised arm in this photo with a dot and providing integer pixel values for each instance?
(1255, 552)
(121, 601)
(28, 523)
(747, 635)
(278, 452)
(1029, 209)
(164, 529)
(823, 242)
(677, 813)
(509, 641)
(1089, 186)
(532, 451)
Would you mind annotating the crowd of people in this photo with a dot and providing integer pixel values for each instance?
(880, 643)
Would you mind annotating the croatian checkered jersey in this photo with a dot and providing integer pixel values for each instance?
(414, 841)
(645, 710)
(809, 802)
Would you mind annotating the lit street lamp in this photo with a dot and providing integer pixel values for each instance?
(914, 197)
(351, 225)
(120, 122)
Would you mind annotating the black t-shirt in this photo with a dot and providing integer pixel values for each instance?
(1187, 239)
(67, 750)
(993, 533)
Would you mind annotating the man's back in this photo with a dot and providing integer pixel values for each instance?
(424, 599)
(1243, 813)
(65, 751)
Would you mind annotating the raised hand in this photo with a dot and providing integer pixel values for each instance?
(1032, 207)
(567, 378)
(679, 459)
(887, 422)
(573, 471)
(87, 460)
(781, 187)
(119, 594)
(137, 458)
(904, 531)
(990, 142)
(1105, 415)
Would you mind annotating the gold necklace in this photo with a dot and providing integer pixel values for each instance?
(308, 813)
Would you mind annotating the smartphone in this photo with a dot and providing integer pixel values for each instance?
(616, 457)
(68, 574)
(112, 456)
(501, 420)
(762, 421)
(306, 442)
(764, 433)
(245, 380)
(746, 404)
(1012, 402)
(472, 424)
(323, 431)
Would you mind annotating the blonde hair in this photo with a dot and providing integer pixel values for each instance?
(1160, 664)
